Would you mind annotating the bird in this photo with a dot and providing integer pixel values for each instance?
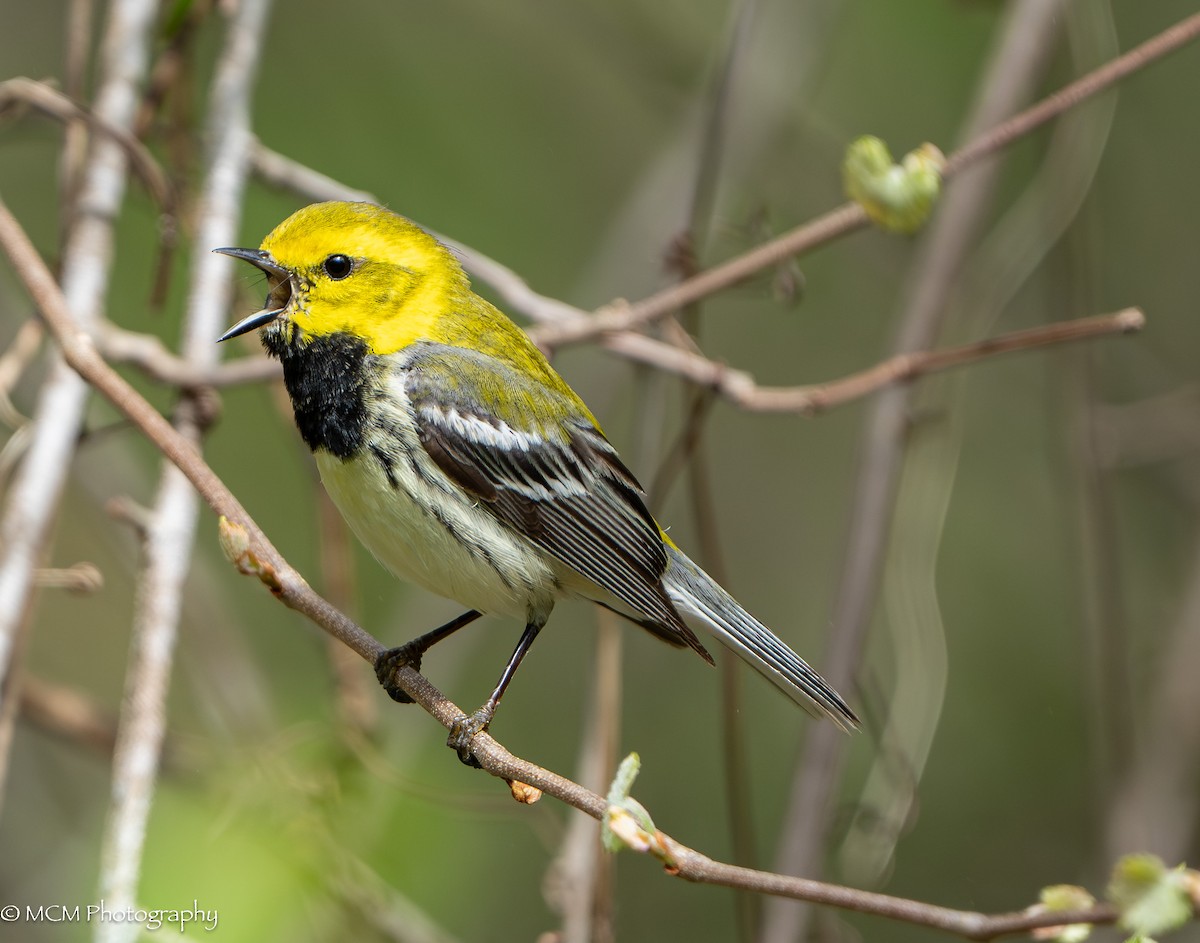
(464, 462)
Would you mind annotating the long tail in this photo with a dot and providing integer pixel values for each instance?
(692, 590)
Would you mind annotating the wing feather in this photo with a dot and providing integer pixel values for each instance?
(558, 482)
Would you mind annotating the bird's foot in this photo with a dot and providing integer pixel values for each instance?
(408, 655)
(464, 731)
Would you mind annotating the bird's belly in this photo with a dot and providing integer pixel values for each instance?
(439, 539)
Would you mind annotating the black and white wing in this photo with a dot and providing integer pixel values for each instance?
(549, 474)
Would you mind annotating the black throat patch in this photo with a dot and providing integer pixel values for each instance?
(326, 378)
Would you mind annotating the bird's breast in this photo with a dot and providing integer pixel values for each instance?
(328, 379)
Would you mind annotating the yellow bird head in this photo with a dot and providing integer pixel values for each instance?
(352, 268)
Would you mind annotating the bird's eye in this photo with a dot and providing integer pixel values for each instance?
(338, 267)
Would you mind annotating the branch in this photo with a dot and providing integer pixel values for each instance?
(850, 216)
(692, 866)
(905, 367)
(37, 487)
(171, 528)
(149, 354)
(737, 386)
(265, 561)
(49, 101)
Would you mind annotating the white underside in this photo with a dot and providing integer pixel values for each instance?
(397, 527)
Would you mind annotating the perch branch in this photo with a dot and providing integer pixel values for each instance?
(273, 570)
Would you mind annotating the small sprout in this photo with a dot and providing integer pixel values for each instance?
(1061, 898)
(523, 792)
(1151, 898)
(622, 783)
(897, 197)
(626, 823)
(623, 830)
(235, 544)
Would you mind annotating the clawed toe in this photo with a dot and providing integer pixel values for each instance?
(464, 731)
(391, 661)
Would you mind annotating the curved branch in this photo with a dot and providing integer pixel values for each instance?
(291, 589)
(49, 101)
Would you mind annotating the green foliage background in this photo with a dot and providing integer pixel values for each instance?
(560, 139)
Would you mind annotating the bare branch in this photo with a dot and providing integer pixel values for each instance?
(903, 368)
(150, 355)
(170, 531)
(38, 484)
(1168, 41)
(68, 714)
(693, 866)
(77, 578)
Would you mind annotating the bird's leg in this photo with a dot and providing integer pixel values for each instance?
(409, 654)
(465, 729)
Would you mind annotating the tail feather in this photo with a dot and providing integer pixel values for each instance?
(692, 590)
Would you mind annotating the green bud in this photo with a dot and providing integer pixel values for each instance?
(1152, 898)
(1064, 897)
(897, 197)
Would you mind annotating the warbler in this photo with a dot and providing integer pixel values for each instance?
(463, 461)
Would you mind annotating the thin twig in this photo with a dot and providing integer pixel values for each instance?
(1098, 80)
(740, 388)
(906, 367)
(37, 487)
(67, 713)
(150, 355)
(13, 363)
(693, 866)
(77, 578)
(287, 585)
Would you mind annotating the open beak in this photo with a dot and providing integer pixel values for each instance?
(277, 301)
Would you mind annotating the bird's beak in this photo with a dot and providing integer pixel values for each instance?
(277, 301)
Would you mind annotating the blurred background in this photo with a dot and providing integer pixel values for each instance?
(1028, 680)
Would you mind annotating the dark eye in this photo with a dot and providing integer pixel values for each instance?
(338, 267)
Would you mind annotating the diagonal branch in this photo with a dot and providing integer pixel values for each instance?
(850, 216)
(274, 571)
